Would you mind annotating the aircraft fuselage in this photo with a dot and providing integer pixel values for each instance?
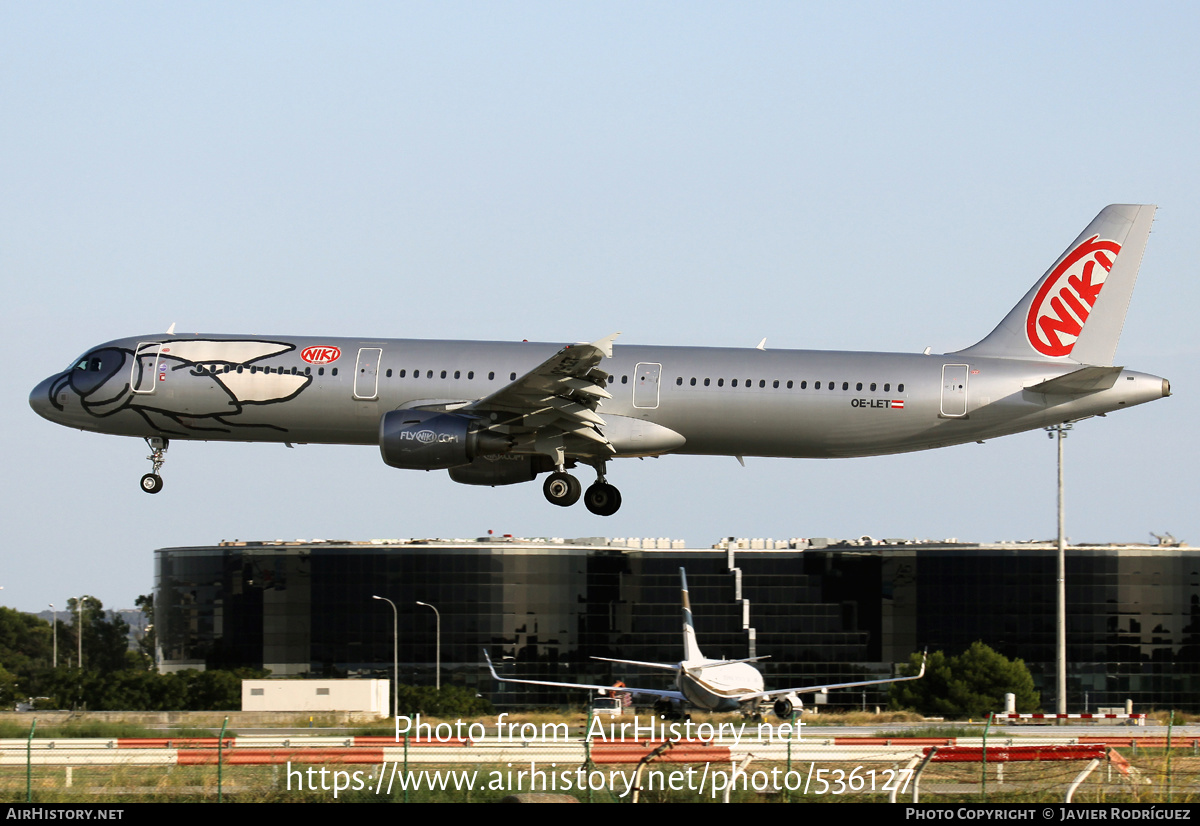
(696, 400)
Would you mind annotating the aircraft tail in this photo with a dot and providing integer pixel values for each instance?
(691, 650)
(1076, 310)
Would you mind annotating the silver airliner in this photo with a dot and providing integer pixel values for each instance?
(710, 685)
(499, 413)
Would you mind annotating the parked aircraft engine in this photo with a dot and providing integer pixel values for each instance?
(430, 440)
(785, 705)
(507, 469)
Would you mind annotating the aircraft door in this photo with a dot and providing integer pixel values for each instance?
(148, 368)
(645, 385)
(954, 390)
(366, 373)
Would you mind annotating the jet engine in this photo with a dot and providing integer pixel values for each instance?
(785, 705)
(508, 469)
(432, 440)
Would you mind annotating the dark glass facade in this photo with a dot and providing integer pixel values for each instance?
(542, 609)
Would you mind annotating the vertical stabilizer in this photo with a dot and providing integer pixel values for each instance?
(691, 651)
(1075, 312)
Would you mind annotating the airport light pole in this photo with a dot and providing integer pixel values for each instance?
(438, 672)
(1060, 642)
(395, 656)
(79, 627)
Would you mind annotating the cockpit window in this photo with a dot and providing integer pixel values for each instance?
(90, 363)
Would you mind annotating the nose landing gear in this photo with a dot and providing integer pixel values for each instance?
(152, 482)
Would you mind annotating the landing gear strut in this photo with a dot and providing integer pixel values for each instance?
(152, 482)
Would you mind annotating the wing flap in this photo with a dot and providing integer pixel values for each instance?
(558, 398)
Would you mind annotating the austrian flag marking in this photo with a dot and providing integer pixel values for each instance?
(1066, 298)
(320, 355)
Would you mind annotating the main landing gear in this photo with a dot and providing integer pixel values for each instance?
(152, 482)
(563, 489)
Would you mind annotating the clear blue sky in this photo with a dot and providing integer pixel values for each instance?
(868, 176)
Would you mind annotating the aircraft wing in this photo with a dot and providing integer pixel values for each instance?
(664, 666)
(559, 397)
(654, 692)
(812, 689)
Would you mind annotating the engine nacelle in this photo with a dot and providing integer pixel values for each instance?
(431, 440)
(507, 469)
(785, 705)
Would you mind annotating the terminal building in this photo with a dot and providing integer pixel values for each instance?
(823, 610)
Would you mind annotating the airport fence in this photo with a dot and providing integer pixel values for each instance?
(282, 768)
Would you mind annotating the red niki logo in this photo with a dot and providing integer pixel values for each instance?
(320, 355)
(1065, 300)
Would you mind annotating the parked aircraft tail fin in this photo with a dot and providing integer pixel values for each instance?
(1076, 310)
(691, 650)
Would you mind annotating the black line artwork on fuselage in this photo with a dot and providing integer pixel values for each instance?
(108, 381)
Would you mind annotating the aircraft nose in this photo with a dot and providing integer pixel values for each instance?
(41, 398)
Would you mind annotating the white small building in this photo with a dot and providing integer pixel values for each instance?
(371, 696)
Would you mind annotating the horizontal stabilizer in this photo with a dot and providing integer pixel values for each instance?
(1079, 382)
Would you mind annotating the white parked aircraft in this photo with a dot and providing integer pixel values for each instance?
(711, 685)
(499, 413)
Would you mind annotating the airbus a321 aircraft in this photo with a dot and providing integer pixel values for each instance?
(711, 685)
(498, 413)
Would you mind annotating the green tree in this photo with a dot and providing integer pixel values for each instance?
(148, 642)
(450, 701)
(105, 638)
(971, 684)
(24, 642)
